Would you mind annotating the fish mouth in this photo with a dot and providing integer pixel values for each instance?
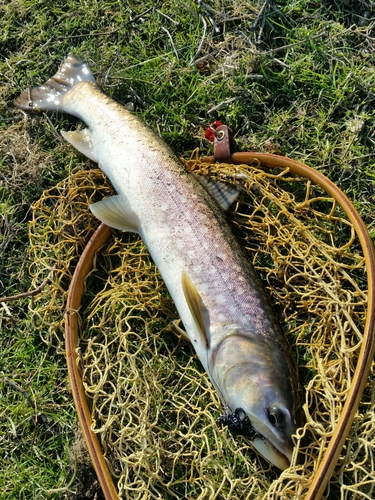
(239, 424)
(271, 453)
(277, 451)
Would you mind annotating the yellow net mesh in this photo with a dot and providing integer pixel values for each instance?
(153, 406)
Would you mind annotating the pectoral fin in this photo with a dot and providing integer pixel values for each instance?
(225, 194)
(115, 212)
(81, 140)
(195, 304)
(175, 328)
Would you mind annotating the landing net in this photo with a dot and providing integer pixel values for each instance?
(153, 407)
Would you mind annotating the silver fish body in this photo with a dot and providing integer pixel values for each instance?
(214, 287)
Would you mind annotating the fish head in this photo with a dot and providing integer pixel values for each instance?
(253, 377)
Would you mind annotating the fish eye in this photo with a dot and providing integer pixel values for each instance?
(278, 416)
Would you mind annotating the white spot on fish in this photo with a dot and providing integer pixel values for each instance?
(221, 317)
(197, 268)
(180, 244)
(192, 254)
(221, 256)
(203, 288)
(221, 300)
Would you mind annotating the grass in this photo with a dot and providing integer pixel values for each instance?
(299, 80)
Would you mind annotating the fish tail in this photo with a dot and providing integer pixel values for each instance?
(50, 95)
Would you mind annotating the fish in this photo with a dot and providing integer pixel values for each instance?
(220, 300)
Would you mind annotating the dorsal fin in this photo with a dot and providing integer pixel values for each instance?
(225, 194)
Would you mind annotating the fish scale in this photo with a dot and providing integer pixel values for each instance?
(221, 303)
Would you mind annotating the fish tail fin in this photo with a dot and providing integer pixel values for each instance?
(50, 95)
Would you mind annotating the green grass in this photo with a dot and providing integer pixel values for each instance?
(307, 88)
(35, 413)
